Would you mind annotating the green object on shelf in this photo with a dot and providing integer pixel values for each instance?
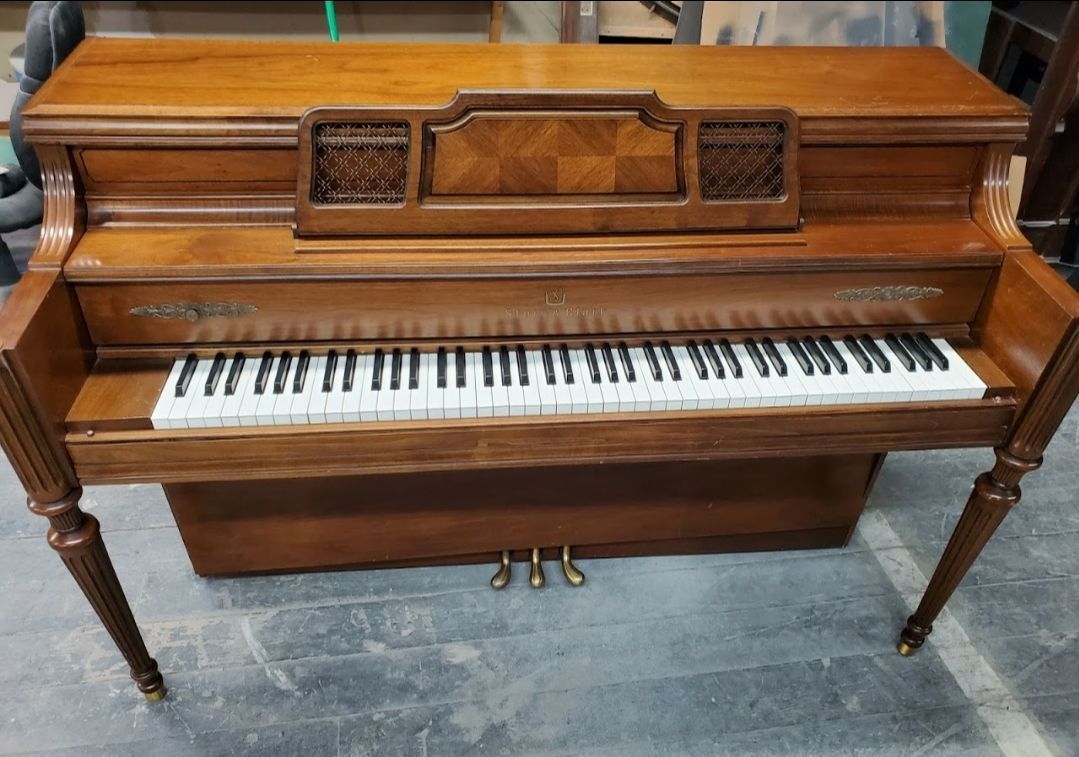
(331, 21)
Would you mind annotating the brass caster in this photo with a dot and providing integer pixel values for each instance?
(535, 576)
(156, 696)
(905, 649)
(573, 576)
(502, 577)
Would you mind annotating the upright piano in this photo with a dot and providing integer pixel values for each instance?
(365, 305)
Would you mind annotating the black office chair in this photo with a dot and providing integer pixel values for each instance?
(53, 30)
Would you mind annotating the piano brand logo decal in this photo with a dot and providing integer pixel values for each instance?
(555, 302)
(556, 297)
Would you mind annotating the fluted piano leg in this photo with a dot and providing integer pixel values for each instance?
(76, 536)
(995, 493)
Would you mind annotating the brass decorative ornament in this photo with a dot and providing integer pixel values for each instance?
(193, 311)
(888, 294)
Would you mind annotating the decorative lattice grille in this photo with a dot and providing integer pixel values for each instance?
(360, 163)
(741, 160)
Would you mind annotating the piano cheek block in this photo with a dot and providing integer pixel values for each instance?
(175, 239)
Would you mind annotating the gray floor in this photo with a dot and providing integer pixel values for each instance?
(786, 653)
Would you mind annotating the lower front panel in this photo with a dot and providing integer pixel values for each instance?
(467, 516)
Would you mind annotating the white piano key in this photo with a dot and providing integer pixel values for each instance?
(301, 402)
(533, 394)
(649, 396)
(264, 409)
(548, 403)
(159, 418)
(335, 400)
(767, 391)
(687, 386)
(230, 410)
(562, 394)
(467, 395)
(383, 395)
(433, 398)
(485, 398)
(361, 404)
(798, 391)
(451, 406)
(622, 389)
(195, 412)
(402, 396)
(500, 395)
(593, 395)
(577, 392)
(515, 392)
(248, 412)
(316, 407)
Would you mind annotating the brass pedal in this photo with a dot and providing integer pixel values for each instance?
(574, 577)
(502, 577)
(535, 575)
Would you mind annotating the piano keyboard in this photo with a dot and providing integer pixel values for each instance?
(299, 388)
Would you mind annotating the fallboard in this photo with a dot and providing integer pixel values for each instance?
(555, 162)
(199, 311)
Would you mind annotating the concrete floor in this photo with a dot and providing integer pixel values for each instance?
(783, 653)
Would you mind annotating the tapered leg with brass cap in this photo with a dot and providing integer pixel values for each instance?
(502, 577)
(535, 575)
(573, 576)
(76, 536)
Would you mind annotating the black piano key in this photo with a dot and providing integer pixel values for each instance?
(672, 363)
(460, 367)
(875, 353)
(190, 363)
(567, 366)
(713, 359)
(757, 358)
(900, 352)
(216, 370)
(832, 354)
(522, 365)
(920, 356)
(932, 350)
(281, 377)
(349, 374)
(395, 370)
(414, 369)
(799, 354)
(731, 357)
(612, 366)
(859, 356)
(548, 364)
(488, 368)
(441, 364)
(331, 370)
(504, 365)
(593, 362)
(697, 359)
(376, 370)
(653, 361)
(301, 371)
(774, 357)
(817, 356)
(238, 361)
(627, 363)
(263, 374)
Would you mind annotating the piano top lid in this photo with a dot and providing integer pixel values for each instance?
(161, 78)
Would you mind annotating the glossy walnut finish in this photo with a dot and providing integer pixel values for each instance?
(546, 191)
(242, 527)
(498, 162)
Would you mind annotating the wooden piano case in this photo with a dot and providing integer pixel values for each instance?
(470, 516)
(506, 195)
